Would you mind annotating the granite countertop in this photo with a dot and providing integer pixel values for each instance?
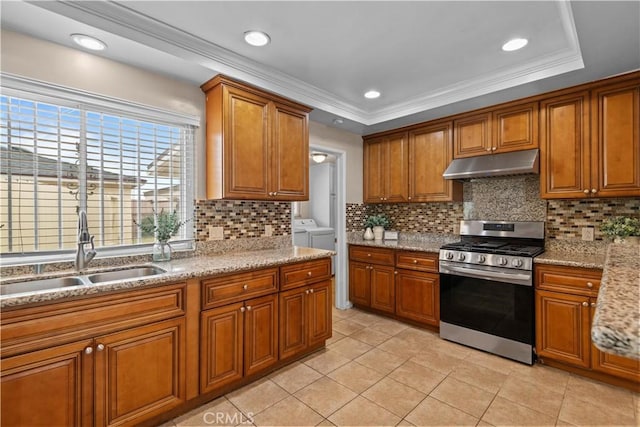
(572, 259)
(616, 324)
(176, 270)
(429, 243)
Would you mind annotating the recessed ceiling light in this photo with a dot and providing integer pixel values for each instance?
(372, 94)
(514, 44)
(88, 42)
(338, 121)
(256, 38)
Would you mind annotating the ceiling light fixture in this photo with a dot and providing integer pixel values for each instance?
(88, 42)
(256, 38)
(514, 44)
(319, 157)
(338, 121)
(372, 94)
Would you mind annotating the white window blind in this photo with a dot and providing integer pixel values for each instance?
(133, 167)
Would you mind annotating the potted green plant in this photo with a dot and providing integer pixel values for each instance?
(622, 229)
(378, 223)
(164, 226)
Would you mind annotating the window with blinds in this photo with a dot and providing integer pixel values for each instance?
(134, 167)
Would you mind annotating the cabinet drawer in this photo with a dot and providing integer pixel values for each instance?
(29, 329)
(303, 273)
(237, 287)
(574, 280)
(372, 255)
(420, 261)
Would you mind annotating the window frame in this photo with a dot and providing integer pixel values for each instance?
(38, 91)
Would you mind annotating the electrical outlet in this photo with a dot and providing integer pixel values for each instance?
(216, 233)
(587, 234)
(268, 230)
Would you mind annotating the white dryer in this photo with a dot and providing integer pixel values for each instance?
(307, 233)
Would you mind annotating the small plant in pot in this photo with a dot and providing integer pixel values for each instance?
(622, 229)
(164, 226)
(378, 223)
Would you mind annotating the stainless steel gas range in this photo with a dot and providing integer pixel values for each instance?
(486, 287)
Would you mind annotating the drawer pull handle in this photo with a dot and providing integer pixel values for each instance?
(589, 285)
(88, 350)
(100, 347)
(309, 274)
(245, 287)
(586, 304)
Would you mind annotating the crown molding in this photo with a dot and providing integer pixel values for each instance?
(121, 20)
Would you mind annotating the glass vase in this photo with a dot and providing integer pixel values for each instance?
(161, 251)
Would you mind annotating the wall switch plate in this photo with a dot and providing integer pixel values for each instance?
(216, 233)
(587, 234)
(268, 230)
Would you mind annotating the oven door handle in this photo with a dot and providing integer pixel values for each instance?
(523, 279)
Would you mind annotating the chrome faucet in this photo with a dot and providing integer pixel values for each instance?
(82, 258)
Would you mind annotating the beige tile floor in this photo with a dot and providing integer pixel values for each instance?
(376, 371)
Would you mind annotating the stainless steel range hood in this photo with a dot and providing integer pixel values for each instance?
(513, 163)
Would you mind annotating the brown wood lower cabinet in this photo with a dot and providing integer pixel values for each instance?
(305, 318)
(418, 296)
(565, 304)
(237, 340)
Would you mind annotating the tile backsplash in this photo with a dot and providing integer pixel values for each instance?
(420, 217)
(242, 219)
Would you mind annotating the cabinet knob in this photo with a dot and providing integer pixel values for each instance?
(494, 148)
(586, 191)
(307, 292)
(409, 197)
(100, 347)
(489, 149)
(311, 290)
(248, 308)
(593, 190)
(309, 274)
(381, 198)
(275, 193)
(593, 304)
(589, 285)
(245, 287)
(88, 350)
(242, 309)
(369, 255)
(586, 304)
(395, 272)
(415, 261)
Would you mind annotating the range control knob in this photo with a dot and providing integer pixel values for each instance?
(502, 261)
(517, 262)
(449, 255)
(461, 257)
(481, 258)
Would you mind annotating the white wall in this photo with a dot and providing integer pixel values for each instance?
(38, 59)
(351, 144)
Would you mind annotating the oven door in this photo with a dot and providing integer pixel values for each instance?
(495, 301)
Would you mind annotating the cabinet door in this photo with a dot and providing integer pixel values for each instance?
(221, 345)
(430, 152)
(564, 148)
(246, 145)
(563, 328)
(319, 312)
(359, 284)
(613, 364)
(290, 148)
(418, 296)
(140, 372)
(374, 182)
(383, 296)
(615, 113)
(48, 387)
(293, 328)
(472, 135)
(260, 334)
(395, 171)
(515, 128)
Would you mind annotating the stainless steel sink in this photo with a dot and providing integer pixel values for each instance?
(125, 273)
(40, 285)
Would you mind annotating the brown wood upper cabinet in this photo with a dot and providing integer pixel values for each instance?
(510, 128)
(386, 165)
(590, 143)
(257, 143)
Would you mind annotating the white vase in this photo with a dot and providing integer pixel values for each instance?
(368, 234)
(378, 232)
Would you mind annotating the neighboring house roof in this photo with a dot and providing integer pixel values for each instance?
(18, 161)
